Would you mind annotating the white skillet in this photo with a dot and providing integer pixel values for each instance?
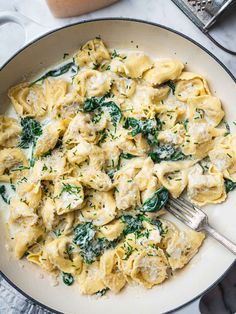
(213, 260)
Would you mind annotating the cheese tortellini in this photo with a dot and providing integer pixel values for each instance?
(95, 150)
(9, 131)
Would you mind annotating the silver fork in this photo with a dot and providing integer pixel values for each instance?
(196, 219)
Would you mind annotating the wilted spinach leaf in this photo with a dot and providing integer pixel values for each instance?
(114, 111)
(57, 72)
(127, 156)
(166, 152)
(133, 223)
(68, 279)
(148, 127)
(31, 130)
(91, 104)
(229, 185)
(102, 292)
(228, 131)
(83, 234)
(156, 201)
(156, 222)
(171, 84)
(94, 103)
(4, 195)
(90, 246)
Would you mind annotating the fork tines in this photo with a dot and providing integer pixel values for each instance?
(185, 211)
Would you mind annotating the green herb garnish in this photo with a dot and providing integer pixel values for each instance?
(185, 123)
(115, 54)
(122, 155)
(57, 233)
(199, 113)
(69, 188)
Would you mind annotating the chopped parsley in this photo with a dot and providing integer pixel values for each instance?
(69, 188)
(57, 233)
(199, 114)
(115, 54)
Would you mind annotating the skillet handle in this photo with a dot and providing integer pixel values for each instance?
(31, 28)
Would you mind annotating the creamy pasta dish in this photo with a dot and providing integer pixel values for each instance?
(97, 146)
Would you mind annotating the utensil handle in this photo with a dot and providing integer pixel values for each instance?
(220, 238)
(31, 28)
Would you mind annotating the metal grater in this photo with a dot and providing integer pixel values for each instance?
(216, 18)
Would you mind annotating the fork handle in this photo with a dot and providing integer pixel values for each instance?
(220, 238)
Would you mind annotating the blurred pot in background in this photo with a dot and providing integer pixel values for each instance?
(68, 8)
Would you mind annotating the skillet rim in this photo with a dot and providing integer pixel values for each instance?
(126, 19)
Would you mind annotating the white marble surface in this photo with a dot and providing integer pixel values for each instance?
(159, 11)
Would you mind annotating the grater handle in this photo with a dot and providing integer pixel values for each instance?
(213, 19)
(218, 13)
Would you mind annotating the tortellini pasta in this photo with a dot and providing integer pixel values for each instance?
(69, 195)
(49, 167)
(112, 277)
(190, 85)
(26, 238)
(205, 188)
(95, 150)
(174, 175)
(49, 138)
(205, 108)
(164, 70)
(22, 214)
(100, 208)
(183, 247)
(29, 100)
(90, 279)
(9, 131)
(62, 256)
(92, 83)
(133, 66)
(12, 162)
(93, 52)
